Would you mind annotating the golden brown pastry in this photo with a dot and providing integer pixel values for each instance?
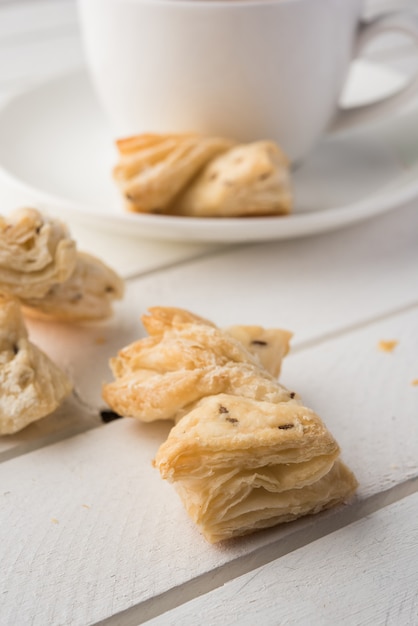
(240, 464)
(195, 175)
(268, 345)
(153, 169)
(247, 180)
(186, 358)
(88, 294)
(40, 264)
(36, 252)
(245, 452)
(31, 385)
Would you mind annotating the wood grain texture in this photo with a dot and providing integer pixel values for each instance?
(64, 563)
(365, 573)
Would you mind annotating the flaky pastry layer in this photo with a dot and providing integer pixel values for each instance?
(199, 176)
(31, 385)
(186, 358)
(40, 265)
(245, 453)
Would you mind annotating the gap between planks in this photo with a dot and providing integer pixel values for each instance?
(352, 328)
(90, 418)
(172, 265)
(322, 525)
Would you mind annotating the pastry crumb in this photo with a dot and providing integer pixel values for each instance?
(387, 345)
(86, 506)
(414, 383)
(54, 520)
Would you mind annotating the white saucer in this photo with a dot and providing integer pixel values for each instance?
(55, 142)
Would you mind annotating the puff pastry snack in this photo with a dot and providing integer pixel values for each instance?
(240, 465)
(247, 180)
(35, 253)
(199, 176)
(245, 452)
(88, 294)
(186, 358)
(153, 169)
(40, 265)
(31, 385)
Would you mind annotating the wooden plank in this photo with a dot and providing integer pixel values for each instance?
(315, 286)
(71, 418)
(367, 397)
(63, 562)
(365, 573)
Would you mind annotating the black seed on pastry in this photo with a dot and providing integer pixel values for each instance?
(15, 348)
(223, 409)
(285, 426)
(109, 416)
(258, 342)
(109, 289)
(52, 290)
(292, 394)
(76, 297)
(233, 420)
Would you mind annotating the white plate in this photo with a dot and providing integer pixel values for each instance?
(55, 142)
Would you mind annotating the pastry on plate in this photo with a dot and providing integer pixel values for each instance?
(185, 358)
(153, 169)
(246, 180)
(245, 453)
(199, 176)
(31, 385)
(41, 266)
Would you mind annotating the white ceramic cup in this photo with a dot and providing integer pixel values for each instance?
(245, 69)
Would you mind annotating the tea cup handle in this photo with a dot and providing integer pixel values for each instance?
(405, 23)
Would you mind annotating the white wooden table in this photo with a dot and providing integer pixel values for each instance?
(90, 534)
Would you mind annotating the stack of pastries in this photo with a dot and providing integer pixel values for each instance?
(44, 275)
(244, 453)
